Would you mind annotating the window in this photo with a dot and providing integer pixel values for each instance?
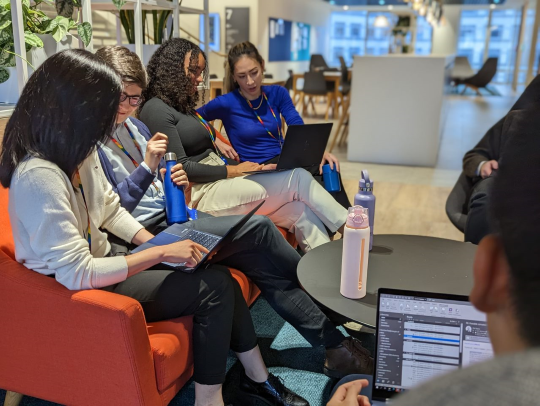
(356, 31)
(214, 31)
(339, 30)
(424, 33)
(472, 36)
(336, 53)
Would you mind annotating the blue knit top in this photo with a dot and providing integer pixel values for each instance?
(247, 135)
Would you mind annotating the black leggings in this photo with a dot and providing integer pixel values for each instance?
(221, 318)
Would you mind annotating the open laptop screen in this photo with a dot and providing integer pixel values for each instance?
(422, 335)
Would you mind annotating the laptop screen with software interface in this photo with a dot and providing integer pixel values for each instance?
(422, 335)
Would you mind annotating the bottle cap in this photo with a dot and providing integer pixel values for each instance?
(358, 217)
(170, 156)
(365, 184)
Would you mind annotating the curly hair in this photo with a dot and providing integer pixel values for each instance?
(168, 80)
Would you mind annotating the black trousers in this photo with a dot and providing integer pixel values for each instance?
(478, 225)
(264, 256)
(221, 318)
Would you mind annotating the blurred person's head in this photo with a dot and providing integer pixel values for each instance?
(245, 70)
(68, 105)
(130, 68)
(175, 71)
(507, 263)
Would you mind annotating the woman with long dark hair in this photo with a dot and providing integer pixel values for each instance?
(60, 201)
(294, 200)
(251, 114)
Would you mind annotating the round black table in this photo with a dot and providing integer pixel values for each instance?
(406, 262)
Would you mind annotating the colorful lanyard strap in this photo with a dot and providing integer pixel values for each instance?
(280, 136)
(205, 124)
(135, 163)
(80, 186)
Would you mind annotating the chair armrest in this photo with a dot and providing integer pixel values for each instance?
(72, 347)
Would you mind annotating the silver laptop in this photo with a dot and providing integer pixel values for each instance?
(423, 335)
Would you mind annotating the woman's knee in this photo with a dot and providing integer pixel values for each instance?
(218, 282)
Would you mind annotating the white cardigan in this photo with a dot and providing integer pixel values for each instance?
(49, 222)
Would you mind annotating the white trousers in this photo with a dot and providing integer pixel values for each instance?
(293, 200)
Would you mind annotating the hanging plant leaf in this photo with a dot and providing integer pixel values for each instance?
(85, 32)
(64, 8)
(58, 28)
(4, 75)
(119, 3)
(26, 3)
(33, 40)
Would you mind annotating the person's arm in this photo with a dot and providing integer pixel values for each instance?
(41, 201)
(132, 189)
(286, 107)
(486, 150)
(215, 109)
(162, 120)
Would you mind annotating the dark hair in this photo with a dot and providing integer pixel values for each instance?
(167, 77)
(126, 63)
(515, 212)
(68, 105)
(238, 51)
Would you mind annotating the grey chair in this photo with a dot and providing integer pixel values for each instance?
(315, 85)
(345, 84)
(482, 78)
(461, 70)
(457, 203)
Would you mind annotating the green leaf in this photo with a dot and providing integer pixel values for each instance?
(26, 3)
(5, 20)
(58, 28)
(85, 32)
(4, 75)
(33, 40)
(5, 3)
(119, 3)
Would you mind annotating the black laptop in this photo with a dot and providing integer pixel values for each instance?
(422, 335)
(303, 147)
(212, 242)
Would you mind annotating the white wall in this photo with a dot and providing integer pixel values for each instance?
(445, 36)
(313, 12)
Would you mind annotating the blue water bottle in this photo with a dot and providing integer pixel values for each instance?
(366, 199)
(175, 201)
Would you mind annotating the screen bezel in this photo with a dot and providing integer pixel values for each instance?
(380, 394)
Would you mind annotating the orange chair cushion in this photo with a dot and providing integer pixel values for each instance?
(6, 236)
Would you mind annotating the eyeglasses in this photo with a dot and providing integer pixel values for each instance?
(133, 100)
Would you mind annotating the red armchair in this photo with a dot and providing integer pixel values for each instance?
(87, 347)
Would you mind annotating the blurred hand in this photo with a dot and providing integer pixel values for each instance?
(184, 251)
(348, 394)
(487, 169)
(269, 167)
(155, 150)
(227, 150)
(331, 159)
(238, 170)
(178, 175)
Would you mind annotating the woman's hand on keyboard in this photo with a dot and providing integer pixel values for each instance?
(184, 251)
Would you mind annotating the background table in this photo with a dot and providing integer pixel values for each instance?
(397, 261)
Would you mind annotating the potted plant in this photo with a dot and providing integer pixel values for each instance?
(159, 20)
(43, 36)
(399, 34)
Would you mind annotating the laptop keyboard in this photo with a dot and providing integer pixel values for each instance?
(208, 241)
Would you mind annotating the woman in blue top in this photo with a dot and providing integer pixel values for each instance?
(251, 114)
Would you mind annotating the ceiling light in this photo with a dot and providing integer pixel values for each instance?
(381, 22)
(390, 7)
(345, 8)
(492, 6)
(381, 2)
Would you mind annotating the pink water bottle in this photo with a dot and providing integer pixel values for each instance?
(354, 259)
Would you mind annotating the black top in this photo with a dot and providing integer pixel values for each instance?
(492, 144)
(188, 139)
(408, 262)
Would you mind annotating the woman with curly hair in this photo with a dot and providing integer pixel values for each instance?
(294, 200)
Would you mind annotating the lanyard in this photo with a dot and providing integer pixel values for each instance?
(280, 137)
(80, 186)
(205, 124)
(135, 163)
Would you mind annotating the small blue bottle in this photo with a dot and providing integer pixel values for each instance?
(175, 201)
(366, 199)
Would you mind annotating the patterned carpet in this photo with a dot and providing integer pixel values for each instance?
(286, 354)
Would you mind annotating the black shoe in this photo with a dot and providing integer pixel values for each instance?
(272, 392)
(349, 358)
